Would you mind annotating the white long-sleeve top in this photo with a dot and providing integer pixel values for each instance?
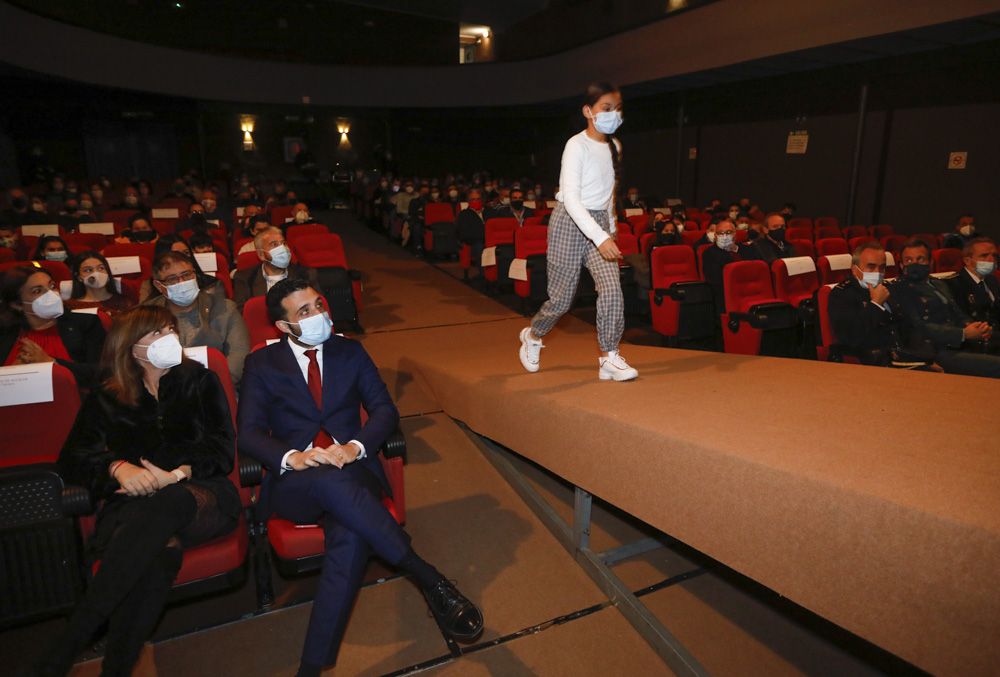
(587, 182)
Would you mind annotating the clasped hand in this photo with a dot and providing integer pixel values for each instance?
(143, 480)
(337, 455)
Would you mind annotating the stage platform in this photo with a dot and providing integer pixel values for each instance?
(730, 455)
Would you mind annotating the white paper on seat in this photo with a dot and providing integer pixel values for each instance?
(890, 260)
(124, 265)
(518, 270)
(551, 204)
(945, 275)
(799, 265)
(530, 204)
(489, 257)
(239, 211)
(634, 212)
(102, 228)
(26, 384)
(463, 205)
(40, 229)
(214, 222)
(839, 261)
(166, 214)
(86, 311)
(208, 262)
(662, 210)
(66, 289)
(198, 354)
(271, 341)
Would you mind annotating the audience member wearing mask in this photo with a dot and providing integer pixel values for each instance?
(204, 318)
(322, 465)
(714, 259)
(280, 195)
(301, 215)
(70, 217)
(177, 244)
(516, 208)
(965, 230)
(733, 212)
(665, 235)
(275, 265)
(139, 231)
(714, 207)
(100, 197)
(145, 194)
(52, 248)
(10, 238)
(472, 227)
(246, 222)
(454, 198)
(862, 317)
(259, 224)
(708, 237)
(93, 286)
(771, 244)
(201, 243)
(35, 328)
(413, 229)
(155, 443)
(88, 211)
(976, 289)
(932, 323)
(210, 205)
(178, 191)
(130, 200)
(195, 221)
(19, 211)
(632, 200)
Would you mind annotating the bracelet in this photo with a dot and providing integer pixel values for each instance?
(114, 467)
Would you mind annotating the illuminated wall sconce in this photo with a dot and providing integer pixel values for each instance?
(344, 128)
(247, 126)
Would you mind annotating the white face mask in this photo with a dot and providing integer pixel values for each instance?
(59, 255)
(281, 257)
(183, 293)
(96, 280)
(872, 279)
(967, 231)
(48, 306)
(984, 268)
(164, 352)
(314, 330)
(301, 216)
(724, 240)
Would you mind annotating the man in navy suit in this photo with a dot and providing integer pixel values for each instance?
(299, 415)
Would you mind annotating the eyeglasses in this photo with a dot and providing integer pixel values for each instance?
(179, 277)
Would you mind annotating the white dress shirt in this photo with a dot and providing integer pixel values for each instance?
(299, 352)
(271, 280)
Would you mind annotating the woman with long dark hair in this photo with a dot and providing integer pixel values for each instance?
(93, 286)
(156, 442)
(581, 233)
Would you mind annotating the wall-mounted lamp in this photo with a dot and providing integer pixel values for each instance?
(344, 128)
(246, 126)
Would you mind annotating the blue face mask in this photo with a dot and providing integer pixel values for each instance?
(56, 256)
(608, 121)
(183, 293)
(281, 257)
(314, 330)
(984, 268)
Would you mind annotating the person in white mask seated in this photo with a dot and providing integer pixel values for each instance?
(203, 318)
(52, 248)
(93, 286)
(301, 215)
(275, 265)
(154, 442)
(35, 328)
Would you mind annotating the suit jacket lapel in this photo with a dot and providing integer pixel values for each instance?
(259, 285)
(286, 362)
(329, 372)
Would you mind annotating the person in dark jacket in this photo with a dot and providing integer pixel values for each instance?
(156, 442)
(472, 227)
(771, 245)
(716, 258)
(34, 326)
(976, 289)
(933, 322)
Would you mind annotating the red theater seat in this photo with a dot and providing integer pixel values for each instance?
(826, 350)
(280, 214)
(143, 249)
(826, 222)
(824, 232)
(799, 233)
(78, 242)
(294, 232)
(800, 221)
(745, 284)
(831, 245)
(803, 248)
(691, 237)
(855, 232)
(259, 327)
(531, 244)
(34, 433)
(834, 268)
(120, 217)
(893, 243)
(500, 234)
(795, 279)
(947, 260)
(676, 288)
(881, 230)
(856, 242)
(930, 238)
(640, 224)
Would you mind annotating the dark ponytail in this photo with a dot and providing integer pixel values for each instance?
(595, 90)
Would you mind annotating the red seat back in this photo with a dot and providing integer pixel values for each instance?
(530, 221)
(700, 255)
(947, 260)
(120, 218)
(831, 245)
(855, 231)
(800, 221)
(795, 279)
(143, 249)
(930, 238)
(280, 214)
(672, 263)
(500, 231)
(627, 244)
(640, 224)
(78, 242)
(646, 243)
(827, 337)
(530, 241)
(437, 212)
(881, 230)
(856, 242)
(746, 283)
(893, 243)
(35, 433)
(297, 231)
(825, 232)
(799, 233)
(320, 251)
(826, 222)
(834, 268)
(255, 317)
(803, 248)
(690, 237)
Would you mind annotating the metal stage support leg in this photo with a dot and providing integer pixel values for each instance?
(576, 540)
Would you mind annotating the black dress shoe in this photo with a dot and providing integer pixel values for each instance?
(456, 615)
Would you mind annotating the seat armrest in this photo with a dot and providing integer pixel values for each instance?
(251, 472)
(395, 446)
(75, 501)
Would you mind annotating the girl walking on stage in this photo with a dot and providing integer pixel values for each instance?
(581, 233)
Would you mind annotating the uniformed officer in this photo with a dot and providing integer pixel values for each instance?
(932, 321)
(976, 289)
(771, 245)
(860, 313)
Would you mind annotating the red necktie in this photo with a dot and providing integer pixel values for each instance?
(315, 382)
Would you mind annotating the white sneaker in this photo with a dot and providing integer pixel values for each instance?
(530, 350)
(615, 368)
